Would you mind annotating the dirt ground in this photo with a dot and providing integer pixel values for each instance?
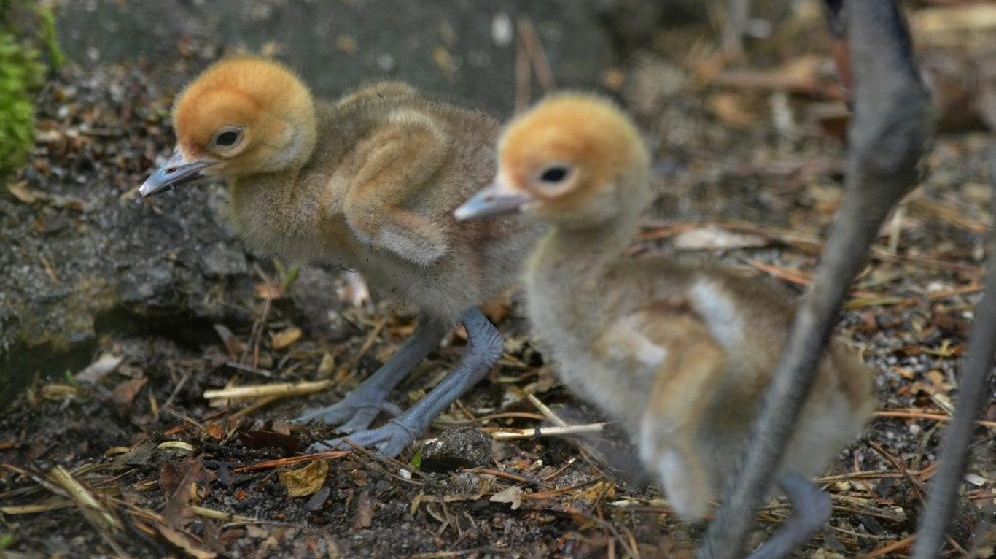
(131, 458)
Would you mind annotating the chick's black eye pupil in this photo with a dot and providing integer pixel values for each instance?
(554, 174)
(227, 138)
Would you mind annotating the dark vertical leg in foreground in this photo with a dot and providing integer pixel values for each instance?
(972, 396)
(889, 133)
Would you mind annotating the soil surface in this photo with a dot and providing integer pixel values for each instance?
(128, 456)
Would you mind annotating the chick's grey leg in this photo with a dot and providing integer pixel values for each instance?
(972, 396)
(484, 347)
(810, 509)
(361, 406)
(890, 130)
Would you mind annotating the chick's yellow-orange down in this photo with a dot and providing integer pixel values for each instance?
(679, 355)
(369, 182)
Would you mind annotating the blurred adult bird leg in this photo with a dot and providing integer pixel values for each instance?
(973, 393)
(890, 131)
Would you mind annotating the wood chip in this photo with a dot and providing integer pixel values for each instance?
(285, 338)
(104, 365)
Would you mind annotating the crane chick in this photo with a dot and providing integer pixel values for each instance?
(681, 356)
(369, 182)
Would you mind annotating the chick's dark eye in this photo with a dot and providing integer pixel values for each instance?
(226, 138)
(554, 174)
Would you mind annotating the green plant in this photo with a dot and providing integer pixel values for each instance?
(6, 540)
(287, 275)
(25, 28)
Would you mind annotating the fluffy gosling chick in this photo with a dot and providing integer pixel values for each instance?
(681, 356)
(369, 182)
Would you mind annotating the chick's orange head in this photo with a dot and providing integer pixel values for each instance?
(568, 146)
(247, 115)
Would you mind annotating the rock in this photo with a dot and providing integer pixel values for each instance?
(84, 257)
(457, 49)
(464, 447)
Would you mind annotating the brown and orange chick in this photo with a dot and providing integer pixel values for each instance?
(681, 356)
(370, 183)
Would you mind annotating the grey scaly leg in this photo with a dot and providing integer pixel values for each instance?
(484, 347)
(810, 509)
(361, 406)
(972, 396)
(889, 133)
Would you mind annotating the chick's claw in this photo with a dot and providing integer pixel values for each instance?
(363, 417)
(352, 414)
(390, 440)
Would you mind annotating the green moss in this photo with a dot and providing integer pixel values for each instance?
(48, 39)
(25, 29)
(19, 72)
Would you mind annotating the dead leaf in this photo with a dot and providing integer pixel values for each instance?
(598, 491)
(284, 338)
(21, 191)
(176, 473)
(270, 439)
(933, 385)
(904, 372)
(936, 378)
(125, 392)
(512, 494)
(179, 482)
(305, 481)
(731, 109)
(214, 431)
(799, 75)
(57, 392)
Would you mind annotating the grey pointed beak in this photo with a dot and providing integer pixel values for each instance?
(174, 172)
(494, 200)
